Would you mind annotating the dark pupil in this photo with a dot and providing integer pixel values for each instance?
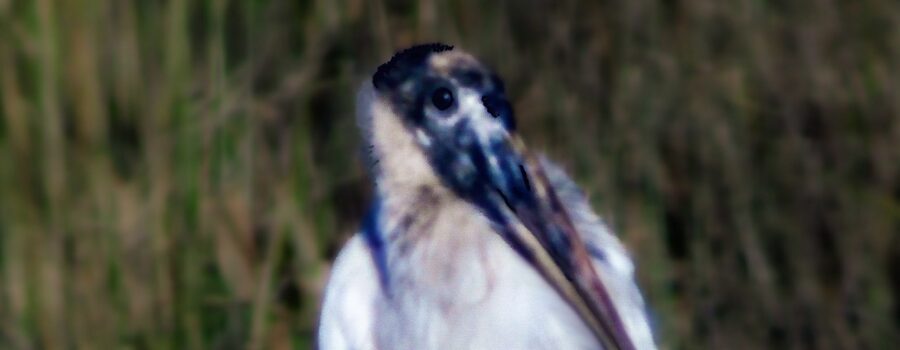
(442, 99)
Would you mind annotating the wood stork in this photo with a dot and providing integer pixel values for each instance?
(471, 241)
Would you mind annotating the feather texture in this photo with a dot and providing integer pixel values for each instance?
(494, 299)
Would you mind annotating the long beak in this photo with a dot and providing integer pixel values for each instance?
(534, 221)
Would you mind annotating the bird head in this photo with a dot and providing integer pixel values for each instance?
(436, 116)
(442, 104)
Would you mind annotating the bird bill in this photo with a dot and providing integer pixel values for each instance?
(544, 232)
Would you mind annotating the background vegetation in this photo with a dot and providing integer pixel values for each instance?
(179, 174)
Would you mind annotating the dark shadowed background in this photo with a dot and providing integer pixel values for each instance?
(180, 174)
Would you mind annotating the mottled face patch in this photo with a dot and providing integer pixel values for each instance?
(416, 80)
(452, 104)
(493, 94)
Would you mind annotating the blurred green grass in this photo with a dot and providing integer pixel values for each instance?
(179, 174)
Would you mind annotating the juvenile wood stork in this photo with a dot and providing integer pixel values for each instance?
(471, 241)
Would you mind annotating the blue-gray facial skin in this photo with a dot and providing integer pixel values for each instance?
(431, 103)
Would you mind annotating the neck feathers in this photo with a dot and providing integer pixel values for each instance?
(397, 163)
(425, 232)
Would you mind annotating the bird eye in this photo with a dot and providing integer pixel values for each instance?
(442, 99)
